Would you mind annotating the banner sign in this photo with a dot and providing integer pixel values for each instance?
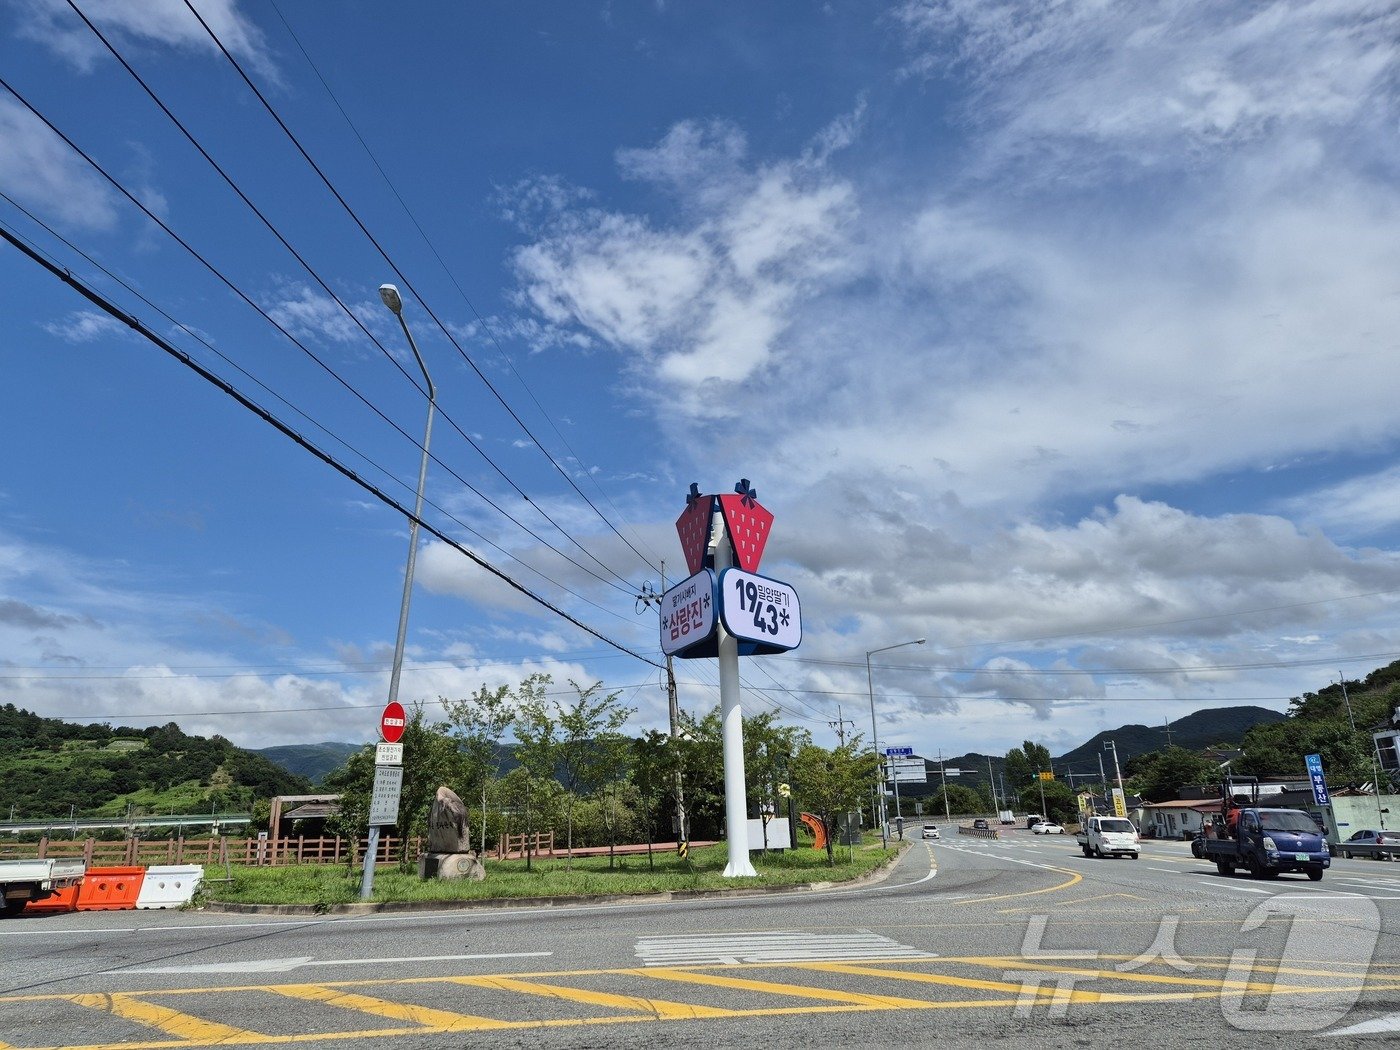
(1319, 782)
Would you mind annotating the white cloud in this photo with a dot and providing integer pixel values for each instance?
(1141, 84)
(169, 23)
(1356, 507)
(709, 297)
(38, 170)
(307, 313)
(86, 326)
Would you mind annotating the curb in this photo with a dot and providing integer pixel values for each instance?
(505, 903)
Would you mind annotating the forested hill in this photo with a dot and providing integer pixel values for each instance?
(48, 765)
(1194, 732)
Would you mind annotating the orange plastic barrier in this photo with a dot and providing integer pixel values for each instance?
(64, 900)
(110, 889)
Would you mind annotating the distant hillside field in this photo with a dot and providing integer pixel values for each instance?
(51, 768)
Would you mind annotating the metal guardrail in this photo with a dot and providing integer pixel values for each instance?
(1366, 849)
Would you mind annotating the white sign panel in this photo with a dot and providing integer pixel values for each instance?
(757, 609)
(906, 770)
(384, 798)
(688, 612)
(778, 831)
(388, 754)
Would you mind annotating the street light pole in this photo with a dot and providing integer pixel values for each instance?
(391, 298)
(875, 732)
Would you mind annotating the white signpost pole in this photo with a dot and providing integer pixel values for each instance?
(736, 803)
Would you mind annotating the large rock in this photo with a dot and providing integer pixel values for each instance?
(447, 824)
(451, 866)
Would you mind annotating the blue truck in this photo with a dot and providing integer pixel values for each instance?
(1263, 841)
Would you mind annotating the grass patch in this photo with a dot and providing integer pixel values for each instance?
(326, 885)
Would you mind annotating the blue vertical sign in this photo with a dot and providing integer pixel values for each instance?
(1319, 782)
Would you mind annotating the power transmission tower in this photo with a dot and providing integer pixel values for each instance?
(645, 600)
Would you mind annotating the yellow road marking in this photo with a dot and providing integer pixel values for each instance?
(661, 1008)
(1121, 975)
(440, 1020)
(915, 975)
(1078, 900)
(773, 988)
(182, 1026)
(1074, 878)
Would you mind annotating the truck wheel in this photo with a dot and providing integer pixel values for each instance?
(13, 906)
(1086, 851)
(1256, 870)
(1315, 874)
(1135, 856)
(1224, 867)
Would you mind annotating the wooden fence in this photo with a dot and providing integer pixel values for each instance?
(220, 849)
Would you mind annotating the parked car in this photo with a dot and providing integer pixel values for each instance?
(980, 825)
(1370, 842)
(1048, 827)
(930, 831)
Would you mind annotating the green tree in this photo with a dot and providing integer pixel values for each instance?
(768, 750)
(591, 748)
(478, 723)
(537, 751)
(829, 783)
(1157, 775)
(1024, 764)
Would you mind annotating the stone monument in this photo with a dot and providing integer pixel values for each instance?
(450, 854)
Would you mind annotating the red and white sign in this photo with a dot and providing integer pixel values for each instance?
(748, 525)
(392, 722)
(693, 526)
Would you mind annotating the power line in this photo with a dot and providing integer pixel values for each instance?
(409, 285)
(272, 228)
(334, 436)
(325, 457)
(432, 247)
(1109, 671)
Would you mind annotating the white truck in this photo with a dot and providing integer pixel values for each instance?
(22, 881)
(1109, 837)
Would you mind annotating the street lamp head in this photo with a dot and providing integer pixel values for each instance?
(391, 298)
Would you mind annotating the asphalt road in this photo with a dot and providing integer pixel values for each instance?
(1018, 941)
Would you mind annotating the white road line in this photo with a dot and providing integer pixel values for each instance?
(284, 965)
(1222, 884)
(772, 947)
(1169, 871)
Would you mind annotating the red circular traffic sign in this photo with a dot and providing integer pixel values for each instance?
(391, 722)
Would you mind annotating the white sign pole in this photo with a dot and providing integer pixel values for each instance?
(736, 803)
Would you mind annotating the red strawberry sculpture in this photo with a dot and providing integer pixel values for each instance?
(694, 527)
(748, 523)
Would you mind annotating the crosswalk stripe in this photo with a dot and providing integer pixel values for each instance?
(771, 947)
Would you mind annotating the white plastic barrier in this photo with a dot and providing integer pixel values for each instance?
(169, 885)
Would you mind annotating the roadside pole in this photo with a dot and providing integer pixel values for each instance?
(736, 803)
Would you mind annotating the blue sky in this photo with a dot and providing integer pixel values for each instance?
(1063, 336)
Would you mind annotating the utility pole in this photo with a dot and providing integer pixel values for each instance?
(645, 600)
(840, 725)
(1375, 748)
(1166, 722)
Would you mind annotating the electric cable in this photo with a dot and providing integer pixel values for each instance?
(412, 289)
(272, 228)
(184, 358)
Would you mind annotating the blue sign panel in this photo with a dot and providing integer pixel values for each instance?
(1319, 782)
(898, 752)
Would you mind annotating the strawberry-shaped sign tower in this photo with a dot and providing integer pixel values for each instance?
(725, 610)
